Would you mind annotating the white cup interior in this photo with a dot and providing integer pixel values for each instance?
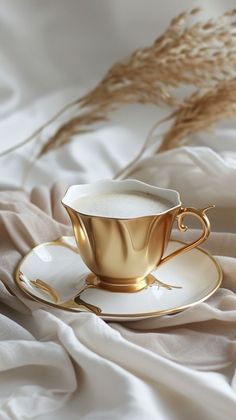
(110, 186)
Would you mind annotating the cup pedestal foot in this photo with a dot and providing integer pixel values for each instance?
(120, 285)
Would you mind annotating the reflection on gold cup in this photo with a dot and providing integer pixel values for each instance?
(123, 252)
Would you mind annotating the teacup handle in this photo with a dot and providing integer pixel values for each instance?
(200, 215)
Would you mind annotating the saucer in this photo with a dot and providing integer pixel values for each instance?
(53, 273)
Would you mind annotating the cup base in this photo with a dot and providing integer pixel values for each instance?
(120, 285)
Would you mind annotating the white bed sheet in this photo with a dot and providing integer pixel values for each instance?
(204, 173)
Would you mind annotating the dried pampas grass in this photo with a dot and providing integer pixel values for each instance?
(191, 53)
(77, 125)
(199, 54)
(200, 112)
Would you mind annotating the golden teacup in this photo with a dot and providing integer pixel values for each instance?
(121, 252)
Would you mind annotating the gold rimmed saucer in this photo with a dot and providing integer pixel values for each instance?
(53, 273)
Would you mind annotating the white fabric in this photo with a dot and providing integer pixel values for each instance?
(55, 365)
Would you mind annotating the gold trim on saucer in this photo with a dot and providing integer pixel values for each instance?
(76, 302)
(40, 284)
(70, 305)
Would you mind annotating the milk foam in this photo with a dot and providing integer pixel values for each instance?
(121, 204)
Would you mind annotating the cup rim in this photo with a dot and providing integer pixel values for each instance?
(132, 182)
